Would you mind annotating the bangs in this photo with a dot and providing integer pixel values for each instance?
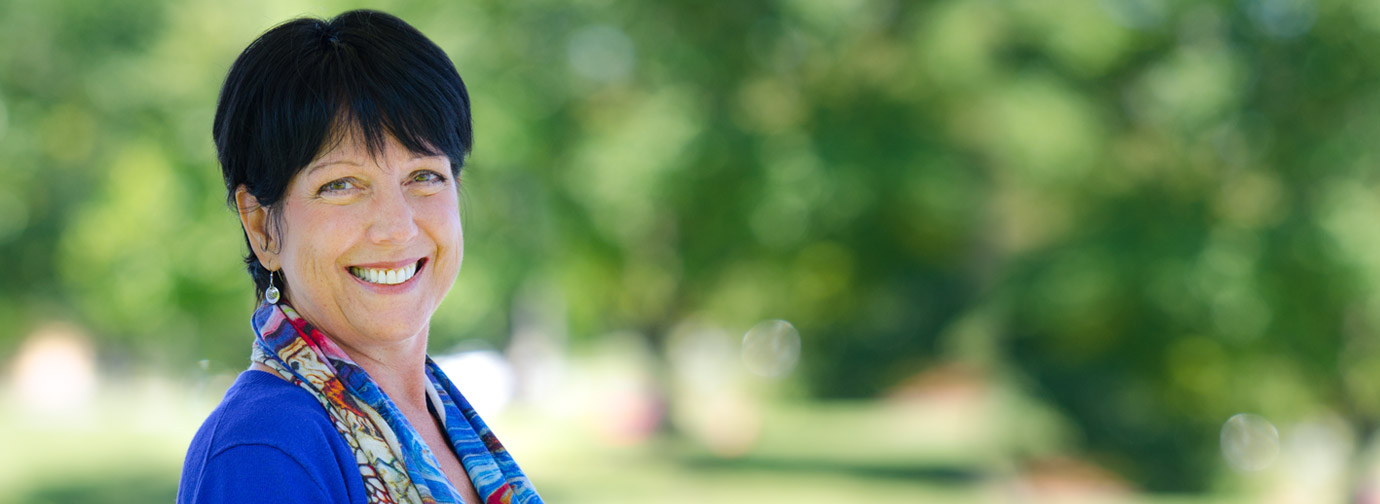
(374, 92)
(308, 84)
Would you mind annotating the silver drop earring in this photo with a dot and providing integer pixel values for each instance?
(271, 293)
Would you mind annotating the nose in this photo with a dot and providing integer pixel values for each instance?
(394, 220)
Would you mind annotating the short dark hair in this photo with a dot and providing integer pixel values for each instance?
(305, 84)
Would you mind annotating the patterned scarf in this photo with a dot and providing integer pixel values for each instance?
(396, 464)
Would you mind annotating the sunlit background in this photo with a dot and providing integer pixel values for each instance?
(884, 251)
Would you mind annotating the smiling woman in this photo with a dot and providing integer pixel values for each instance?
(341, 143)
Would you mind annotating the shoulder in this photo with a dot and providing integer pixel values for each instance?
(269, 431)
(261, 408)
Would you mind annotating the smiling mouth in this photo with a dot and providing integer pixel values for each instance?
(388, 276)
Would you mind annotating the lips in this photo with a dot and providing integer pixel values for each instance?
(388, 274)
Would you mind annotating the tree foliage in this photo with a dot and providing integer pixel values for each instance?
(1161, 211)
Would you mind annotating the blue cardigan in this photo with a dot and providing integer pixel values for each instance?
(269, 441)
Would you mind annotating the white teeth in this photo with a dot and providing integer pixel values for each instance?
(383, 276)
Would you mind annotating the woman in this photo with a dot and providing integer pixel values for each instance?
(341, 143)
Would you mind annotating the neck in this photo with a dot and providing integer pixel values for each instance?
(398, 368)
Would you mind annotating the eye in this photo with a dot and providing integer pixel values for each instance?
(428, 176)
(337, 185)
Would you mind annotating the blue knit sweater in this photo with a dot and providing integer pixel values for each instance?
(269, 441)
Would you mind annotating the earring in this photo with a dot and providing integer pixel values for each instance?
(271, 293)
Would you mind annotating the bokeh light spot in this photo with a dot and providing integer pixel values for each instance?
(771, 348)
(1283, 18)
(485, 378)
(55, 370)
(601, 53)
(1139, 14)
(1249, 442)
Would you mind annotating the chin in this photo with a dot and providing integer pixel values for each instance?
(396, 324)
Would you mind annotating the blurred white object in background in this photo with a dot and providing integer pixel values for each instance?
(1249, 442)
(771, 348)
(622, 401)
(1314, 462)
(54, 370)
(484, 377)
(715, 403)
(538, 350)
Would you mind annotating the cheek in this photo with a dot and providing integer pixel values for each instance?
(313, 239)
(442, 217)
(455, 240)
(446, 230)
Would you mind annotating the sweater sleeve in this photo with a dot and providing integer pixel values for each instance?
(252, 473)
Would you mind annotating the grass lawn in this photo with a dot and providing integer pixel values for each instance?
(127, 447)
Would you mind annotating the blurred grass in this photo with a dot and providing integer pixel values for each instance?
(128, 447)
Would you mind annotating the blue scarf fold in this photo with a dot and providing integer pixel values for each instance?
(397, 466)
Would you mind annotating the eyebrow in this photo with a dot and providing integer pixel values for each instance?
(318, 166)
(352, 162)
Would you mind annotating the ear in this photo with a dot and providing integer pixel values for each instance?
(254, 218)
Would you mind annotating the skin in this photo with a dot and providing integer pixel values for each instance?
(347, 208)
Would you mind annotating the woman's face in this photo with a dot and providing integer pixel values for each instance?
(370, 245)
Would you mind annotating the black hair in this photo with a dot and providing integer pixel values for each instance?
(305, 84)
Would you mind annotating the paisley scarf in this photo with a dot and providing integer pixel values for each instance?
(396, 464)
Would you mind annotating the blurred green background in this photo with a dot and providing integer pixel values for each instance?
(1024, 250)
